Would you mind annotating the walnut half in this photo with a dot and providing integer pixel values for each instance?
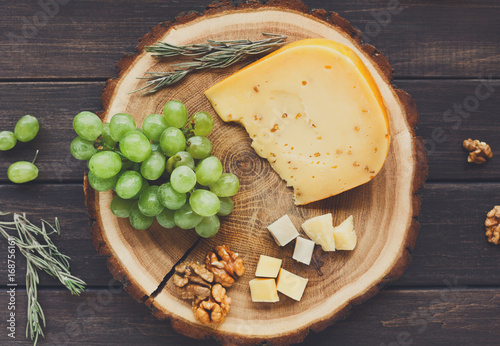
(193, 280)
(225, 265)
(212, 311)
(479, 151)
(492, 225)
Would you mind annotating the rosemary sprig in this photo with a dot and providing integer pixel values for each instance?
(40, 252)
(211, 55)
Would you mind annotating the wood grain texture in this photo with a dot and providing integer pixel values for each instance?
(386, 204)
(422, 38)
(422, 317)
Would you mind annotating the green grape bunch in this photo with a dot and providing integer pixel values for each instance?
(164, 171)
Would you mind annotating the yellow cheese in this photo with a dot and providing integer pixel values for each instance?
(345, 236)
(268, 267)
(313, 110)
(303, 250)
(264, 290)
(291, 285)
(283, 230)
(320, 230)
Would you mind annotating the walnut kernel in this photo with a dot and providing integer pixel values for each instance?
(225, 265)
(479, 151)
(193, 280)
(212, 311)
(492, 225)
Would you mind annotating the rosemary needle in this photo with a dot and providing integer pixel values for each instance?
(211, 55)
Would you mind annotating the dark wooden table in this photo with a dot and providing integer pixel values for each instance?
(445, 54)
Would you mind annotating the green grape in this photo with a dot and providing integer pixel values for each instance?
(102, 185)
(203, 123)
(144, 187)
(120, 124)
(135, 146)
(138, 220)
(153, 167)
(129, 184)
(166, 218)
(121, 207)
(186, 218)
(82, 149)
(149, 203)
(208, 227)
(86, 125)
(172, 141)
(199, 147)
(182, 158)
(175, 113)
(226, 206)
(204, 203)
(155, 147)
(106, 136)
(183, 179)
(208, 171)
(7, 140)
(22, 172)
(105, 164)
(170, 198)
(153, 126)
(227, 185)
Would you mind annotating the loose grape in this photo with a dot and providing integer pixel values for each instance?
(105, 164)
(199, 147)
(82, 149)
(153, 167)
(204, 203)
(153, 126)
(183, 179)
(22, 172)
(170, 198)
(182, 158)
(172, 141)
(155, 147)
(175, 113)
(144, 187)
(203, 123)
(138, 220)
(87, 125)
(208, 227)
(186, 218)
(120, 124)
(166, 218)
(129, 184)
(106, 136)
(208, 171)
(7, 140)
(102, 185)
(227, 185)
(149, 203)
(226, 206)
(135, 146)
(121, 207)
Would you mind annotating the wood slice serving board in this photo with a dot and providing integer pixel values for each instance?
(384, 210)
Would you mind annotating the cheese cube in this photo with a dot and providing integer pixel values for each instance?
(283, 230)
(268, 267)
(264, 290)
(320, 230)
(303, 250)
(291, 285)
(345, 237)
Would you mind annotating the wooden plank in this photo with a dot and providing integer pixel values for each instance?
(451, 243)
(86, 39)
(394, 317)
(55, 104)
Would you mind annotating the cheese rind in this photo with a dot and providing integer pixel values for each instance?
(264, 290)
(303, 250)
(268, 267)
(314, 111)
(320, 230)
(283, 230)
(345, 236)
(291, 285)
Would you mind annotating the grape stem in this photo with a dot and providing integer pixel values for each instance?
(36, 155)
